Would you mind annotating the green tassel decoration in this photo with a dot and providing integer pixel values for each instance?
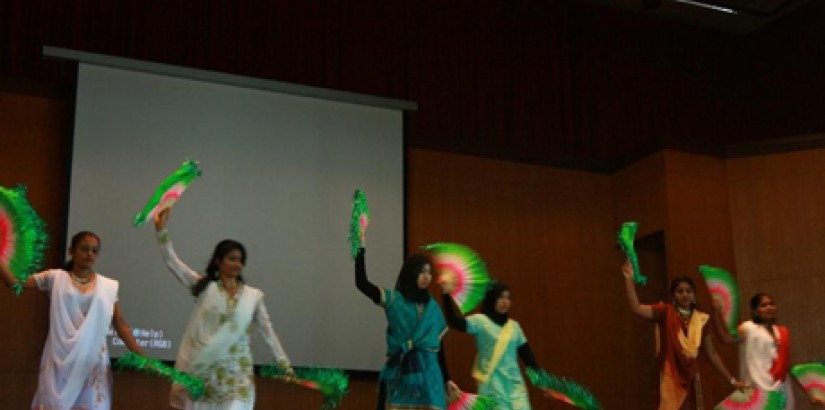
(332, 383)
(23, 236)
(563, 389)
(192, 384)
(358, 222)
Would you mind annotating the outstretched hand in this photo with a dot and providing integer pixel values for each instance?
(453, 392)
(161, 218)
(446, 282)
(817, 401)
(627, 269)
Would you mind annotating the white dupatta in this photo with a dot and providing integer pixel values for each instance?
(75, 340)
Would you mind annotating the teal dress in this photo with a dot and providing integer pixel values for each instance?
(501, 380)
(412, 375)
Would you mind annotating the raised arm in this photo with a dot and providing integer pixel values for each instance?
(630, 290)
(185, 275)
(710, 350)
(264, 326)
(124, 332)
(361, 282)
(9, 280)
(454, 318)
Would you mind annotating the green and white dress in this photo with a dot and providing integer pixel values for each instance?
(215, 345)
(496, 367)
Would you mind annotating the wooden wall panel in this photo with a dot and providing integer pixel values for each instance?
(777, 204)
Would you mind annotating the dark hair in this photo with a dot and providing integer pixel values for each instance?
(491, 296)
(674, 284)
(221, 250)
(69, 265)
(755, 301)
(407, 282)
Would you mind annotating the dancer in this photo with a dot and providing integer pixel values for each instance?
(215, 345)
(682, 331)
(74, 367)
(415, 376)
(500, 342)
(764, 352)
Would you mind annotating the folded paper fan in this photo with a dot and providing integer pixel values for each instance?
(134, 361)
(723, 287)
(626, 238)
(470, 401)
(563, 390)
(358, 222)
(332, 383)
(461, 266)
(812, 378)
(169, 191)
(753, 399)
(23, 235)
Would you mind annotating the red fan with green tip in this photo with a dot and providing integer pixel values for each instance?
(23, 235)
(169, 191)
(470, 401)
(462, 267)
(332, 383)
(812, 378)
(723, 287)
(192, 384)
(358, 222)
(753, 399)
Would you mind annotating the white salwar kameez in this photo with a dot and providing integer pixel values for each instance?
(74, 368)
(756, 356)
(215, 345)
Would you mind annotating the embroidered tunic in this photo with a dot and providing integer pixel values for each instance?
(215, 345)
(74, 367)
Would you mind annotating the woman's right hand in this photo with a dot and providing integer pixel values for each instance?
(627, 269)
(161, 218)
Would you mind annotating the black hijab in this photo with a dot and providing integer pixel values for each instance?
(407, 282)
(488, 305)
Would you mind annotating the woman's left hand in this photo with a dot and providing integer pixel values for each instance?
(453, 392)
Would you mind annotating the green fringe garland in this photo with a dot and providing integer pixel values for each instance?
(30, 231)
(332, 383)
(192, 384)
(625, 238)
(578, 395)
(359, 207)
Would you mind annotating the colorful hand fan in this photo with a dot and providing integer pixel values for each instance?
(332, 383)
(359, 221)
(723, 287)
(563, 389)
(625, 238)
(192, 384)
(753, 399)
(463, 267)
(812, 378)
(470, 401)
(169, 191)
(22, 235)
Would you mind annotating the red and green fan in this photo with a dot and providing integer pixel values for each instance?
(134, 361)
(626, 238)
(358, 222)
(332, 383)
(563, 389)
(464, 269)
(722, 287)
(470, 401)
(812, 378)
(23, 235)
(753, 399)
(169, 191)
